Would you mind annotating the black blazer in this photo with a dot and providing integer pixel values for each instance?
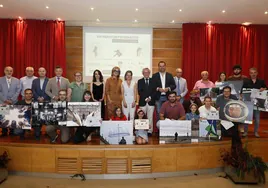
(145, 92)
(157, 83)
(37, 91)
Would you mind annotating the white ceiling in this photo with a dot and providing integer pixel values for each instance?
(152, 13)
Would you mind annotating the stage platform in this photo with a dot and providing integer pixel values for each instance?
(99, 161)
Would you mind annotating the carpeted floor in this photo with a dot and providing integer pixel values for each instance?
(201, 181)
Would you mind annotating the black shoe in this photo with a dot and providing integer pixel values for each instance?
(150, 134)
(4, 134)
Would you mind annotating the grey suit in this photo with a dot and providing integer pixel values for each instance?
(10, 93)
(52, 87)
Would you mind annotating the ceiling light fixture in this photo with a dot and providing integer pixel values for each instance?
(136, 9)
(92, 8)
(173, 21)
(266, 12)
(246, 23)
(180, 10)
(223, 11)
(1, 6)
(58, 19)
(20, 18)
(209, 22)
(135, 21)
(47, 7)
(98, 20)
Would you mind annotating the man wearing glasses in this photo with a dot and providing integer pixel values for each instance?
(77, 88)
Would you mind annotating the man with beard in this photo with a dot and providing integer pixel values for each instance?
(254, 83)
(193, 99)
(52, 129)
(237, 74)
(172, 109)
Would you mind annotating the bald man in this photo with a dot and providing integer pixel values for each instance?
(181, 85)
(203, 83)
(9, 90)
(26, 81)
(39, 86)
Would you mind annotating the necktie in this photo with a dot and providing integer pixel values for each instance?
(58, 82)
(178, 88)
(147, 82)
(8, 83)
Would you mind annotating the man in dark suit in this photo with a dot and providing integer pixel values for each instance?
(39, 86)
(146, 92)
(163, 83)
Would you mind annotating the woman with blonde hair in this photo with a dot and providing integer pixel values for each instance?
(113, 91)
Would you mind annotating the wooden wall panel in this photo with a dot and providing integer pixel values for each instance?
(164, 160)
(167, 46)
(21, 159)
(188, 158)
(43, 160)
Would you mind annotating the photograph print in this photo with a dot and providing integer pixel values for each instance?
(175, 131)
(49, 113)
(15, 116)
(117, 132)
(210, 92)
(259, 99)
(210, 129)
(236, 87)
(84, 114)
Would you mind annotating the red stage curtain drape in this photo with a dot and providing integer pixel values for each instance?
(33, 43)
(218, 47)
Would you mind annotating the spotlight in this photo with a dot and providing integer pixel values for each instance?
(246, 23)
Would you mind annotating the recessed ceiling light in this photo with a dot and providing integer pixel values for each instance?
(223, 11)
(92, 8)
(47, 7)
(246, 23)
(58, 19)
(97, 19)
(266, 12)
(209, 22)
(1, 6)
(20, 18)
(173, 21)
(180, 10)
(136, 21)
(137, 9)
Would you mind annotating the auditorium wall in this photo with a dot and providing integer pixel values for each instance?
(167, 46)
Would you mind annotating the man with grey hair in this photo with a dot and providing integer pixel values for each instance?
(181, 85)
(146, 92)
(26, 81)
(203, 83)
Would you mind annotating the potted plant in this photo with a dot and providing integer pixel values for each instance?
(3, 166)
(241, 166)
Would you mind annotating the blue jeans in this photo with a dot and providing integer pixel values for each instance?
(158, 104)
(256, 115)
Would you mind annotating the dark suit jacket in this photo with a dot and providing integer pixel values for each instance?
(157, 83)
(37, 91)
(145, 92)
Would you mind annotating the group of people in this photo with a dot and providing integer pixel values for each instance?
(120, 98)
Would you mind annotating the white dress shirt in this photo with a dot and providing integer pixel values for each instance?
(204, 112)
(8, 82)
(163, 81)
(26, 83)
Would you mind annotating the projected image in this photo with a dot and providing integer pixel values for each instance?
(128, 48)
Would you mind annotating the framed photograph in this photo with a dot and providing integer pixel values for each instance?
(175, 131)
(259, 99)
(141, 124)
(49, 113)
(84, 114)
(210, 129)
(15, 117)
(117, 132)
(211, 92)
(239, 111)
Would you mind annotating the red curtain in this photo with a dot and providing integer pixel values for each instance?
(217, 47)
(33, 43)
